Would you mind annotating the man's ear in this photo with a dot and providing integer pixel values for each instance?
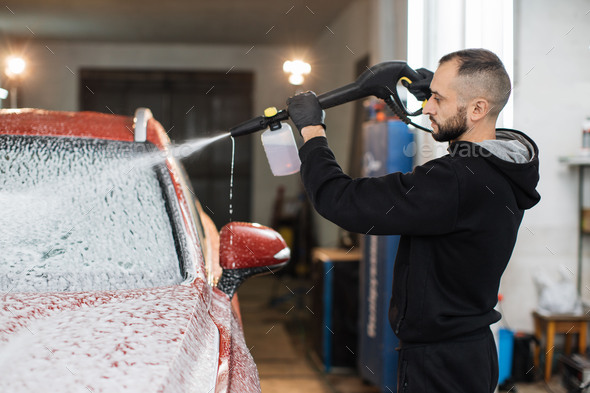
(479, 109)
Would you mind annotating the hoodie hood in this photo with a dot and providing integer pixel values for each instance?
(515, 155)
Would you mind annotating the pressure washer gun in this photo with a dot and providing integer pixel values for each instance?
(379, 80)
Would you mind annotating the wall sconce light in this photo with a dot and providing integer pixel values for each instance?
(297, 69)
(15, 66)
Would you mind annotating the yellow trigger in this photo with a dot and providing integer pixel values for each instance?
(405, 78)
(270, 112)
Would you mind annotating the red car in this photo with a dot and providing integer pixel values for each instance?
(108, 263)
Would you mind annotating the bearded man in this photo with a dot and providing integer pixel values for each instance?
(458, 217)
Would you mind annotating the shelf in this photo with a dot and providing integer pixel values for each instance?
(576, 160)
(579, 161)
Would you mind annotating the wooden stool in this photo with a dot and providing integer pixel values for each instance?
(551, 325)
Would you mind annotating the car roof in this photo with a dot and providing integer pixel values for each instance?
(38, 122)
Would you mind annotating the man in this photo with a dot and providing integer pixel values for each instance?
(458, 217)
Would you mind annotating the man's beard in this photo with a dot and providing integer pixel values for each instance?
(453, 128)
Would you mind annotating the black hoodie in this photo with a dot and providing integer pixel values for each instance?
(458, 216)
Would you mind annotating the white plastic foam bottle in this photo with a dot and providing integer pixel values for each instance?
(281, 150)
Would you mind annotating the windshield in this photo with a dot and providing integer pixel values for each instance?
(81, 215)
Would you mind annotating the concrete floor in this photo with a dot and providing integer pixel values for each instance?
(277, 339)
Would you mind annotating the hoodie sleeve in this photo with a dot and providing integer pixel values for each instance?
(423, 202)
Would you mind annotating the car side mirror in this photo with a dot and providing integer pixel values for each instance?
(246, 250)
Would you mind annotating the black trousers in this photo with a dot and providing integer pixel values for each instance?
(463, 365)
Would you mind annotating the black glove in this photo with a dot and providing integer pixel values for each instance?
(421, 87)
(305, 110)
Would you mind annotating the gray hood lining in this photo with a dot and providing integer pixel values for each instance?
(510, 146)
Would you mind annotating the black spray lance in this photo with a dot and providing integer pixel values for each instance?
(379, 80)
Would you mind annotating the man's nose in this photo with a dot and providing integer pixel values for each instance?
(428, 108)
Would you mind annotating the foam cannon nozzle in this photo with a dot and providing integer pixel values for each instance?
(271, 119)
(379, 80)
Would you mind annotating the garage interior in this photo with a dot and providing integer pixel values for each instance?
(203, 67)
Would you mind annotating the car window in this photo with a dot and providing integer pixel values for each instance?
(82, 214)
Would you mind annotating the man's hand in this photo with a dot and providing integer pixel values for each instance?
(304, 110)
(421, 88)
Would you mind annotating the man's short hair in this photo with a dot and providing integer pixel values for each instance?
(481, 74)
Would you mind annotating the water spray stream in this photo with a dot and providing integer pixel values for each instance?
(231, 184)
(192, 146)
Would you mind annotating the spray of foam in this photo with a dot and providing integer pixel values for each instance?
(181, 151)
(194, 145)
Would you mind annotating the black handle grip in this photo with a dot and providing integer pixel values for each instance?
(342, 95)
(380, 81)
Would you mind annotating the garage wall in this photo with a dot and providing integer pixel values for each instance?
(52, 83)
(551, 85)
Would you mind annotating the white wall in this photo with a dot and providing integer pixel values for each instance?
(52, 83)
(551, 86)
